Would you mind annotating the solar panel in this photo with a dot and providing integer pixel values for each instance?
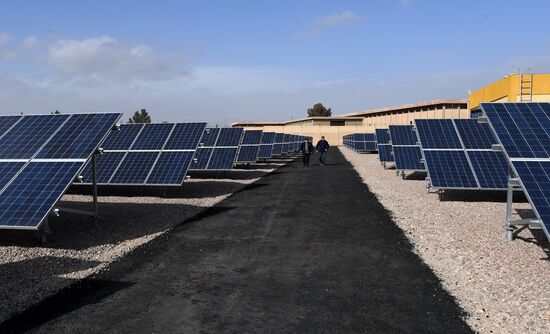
(147, 154)
(78, 136)
(382, 136)
(123, 138)
(278, 144)
(439, 139)
(523, 131)
(153, 136)
(52, 150)
(209, 137)
(201, 158)
(402, 135)
(134, 168)
(449, 169)
(248, 153)
(437, 133)
(170, 168)
(6, 122)
(266, 145)
(286, 143)
(385, 153)
(406, 152)
(222, 158)
(27, 136)
(408, 158)
(252, 137)
(229, 137)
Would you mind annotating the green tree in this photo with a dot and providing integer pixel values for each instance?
(318, 110)
(140, 116)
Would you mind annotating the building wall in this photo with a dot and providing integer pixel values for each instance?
(507, 89)
(333, 134)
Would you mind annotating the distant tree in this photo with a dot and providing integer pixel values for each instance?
(318, 110)
(57, 112)
(140, 116)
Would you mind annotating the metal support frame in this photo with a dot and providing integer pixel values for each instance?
(511, 225)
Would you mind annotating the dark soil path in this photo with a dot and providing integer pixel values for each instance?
(303, 250)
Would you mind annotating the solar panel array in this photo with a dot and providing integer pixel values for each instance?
(266, 145)
(40, 156)
(250, 146)
(217, 149)
(361, 142)
(406, 150)
(147, 154)
(278, 143)
(458, 154)
(385, 150)
(523, 131)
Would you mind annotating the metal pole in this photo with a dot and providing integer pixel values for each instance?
(94, 184)
(509, 200)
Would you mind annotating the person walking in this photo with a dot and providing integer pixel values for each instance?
(322, 148)
(306, 148)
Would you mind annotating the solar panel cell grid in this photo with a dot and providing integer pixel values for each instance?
(7, 171)
(408, 158)
(28, 199)
(222, 158)
(170, 168)
(134, 168)
(248, 153)
(252, 137)
(122, 139)
(268, 137)
(491, 169)
(402, 135)
(6, 122)
(27, 136)
(79, 136)
(535, 177)
(229, 137)
(437, 133)
(449, 169)
(475, 135)
(106, 164)
(209, 137)
(202, 155)
(385, 152)
(382, 136)
(152, 137)
(185, 136)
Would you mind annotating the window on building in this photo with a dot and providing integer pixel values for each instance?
(337, 123)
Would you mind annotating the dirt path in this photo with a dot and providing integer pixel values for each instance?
(301, 250)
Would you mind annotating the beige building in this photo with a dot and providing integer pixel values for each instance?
(335, 127)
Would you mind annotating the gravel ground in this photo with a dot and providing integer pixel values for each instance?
(504, 286)
(80, 247)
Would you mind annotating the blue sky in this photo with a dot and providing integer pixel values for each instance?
(227, 61)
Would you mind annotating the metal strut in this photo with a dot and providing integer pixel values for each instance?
(511, 225)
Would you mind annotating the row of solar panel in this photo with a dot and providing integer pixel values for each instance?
(478, 154)
(361, 142)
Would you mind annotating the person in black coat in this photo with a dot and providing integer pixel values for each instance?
(306, 148)
(322, 148)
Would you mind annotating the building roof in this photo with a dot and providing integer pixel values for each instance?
(407, 106)
(300, 120)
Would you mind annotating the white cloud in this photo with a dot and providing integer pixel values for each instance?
(339, 20)
(4, 38)
(30, 42)
(105, 56)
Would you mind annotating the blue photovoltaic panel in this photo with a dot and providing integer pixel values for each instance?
(27, 136)
(491, 169)
(279, 137)
(134, 168)
(385, 152)
(248, 153)
(449, 169)
(201, 157)
(171, 168)
(229, 137)
(268, 137)
(382, 136)
(369, 137)
(475, 135)
(222, 158)
(277, 149)
(185, 136)
(523, 128)
(152, 137)
(535, 178)
(408, 158)
(265, 151)
(209, 137)
(370, 146)
(28, 199)
(252, 137)
(7, 122)
(79, 136)
(360, 146)
(122, 139)
(8, 171)
(402, 135)
(106, 165)
(437, 133)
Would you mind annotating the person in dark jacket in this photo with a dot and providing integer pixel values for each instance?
(322, 148)
(306, 148)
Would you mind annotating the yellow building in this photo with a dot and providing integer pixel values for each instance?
(513, 88)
